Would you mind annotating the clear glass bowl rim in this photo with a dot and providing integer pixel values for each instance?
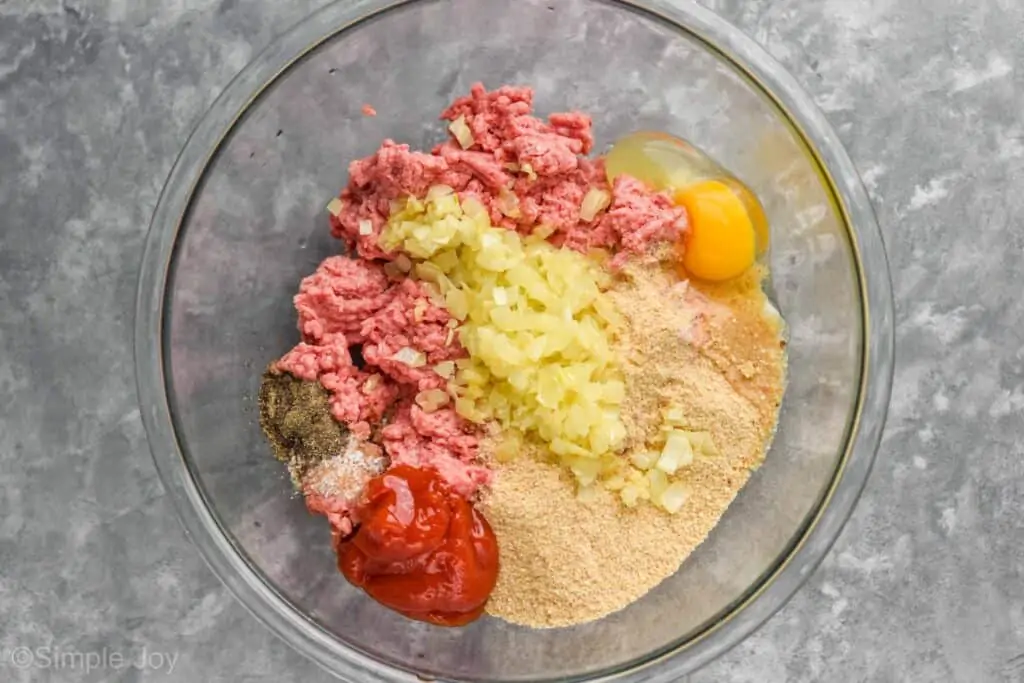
(762, 600)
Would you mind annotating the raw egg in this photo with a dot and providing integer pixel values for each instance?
(721, 243)
(728, 227)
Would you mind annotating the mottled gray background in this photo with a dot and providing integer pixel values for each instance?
(925, 584)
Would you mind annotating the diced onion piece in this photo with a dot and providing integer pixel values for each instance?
(435, 192)
(643, 460)
(528, 170)
(677, 452)
(365, 227)
(616, 432)
(462, 133)
(447, 261)
(658, 482)
(615, 483)
(564, 447)
(466, 407)
(410, 357)
(371, 383)
(674, 416)
(445, 368)
(630, 495)
(457, 303)
(586, 469)
(703, 443)
(543, 231)
(431, 400)
(449, 338)
(608, 312)
(508, 203)
(419, 309)
(335, 207)
(594, 202)
(674, 497)
(472, 207)
(427, 271)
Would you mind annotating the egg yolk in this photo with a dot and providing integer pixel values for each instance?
(754, 211)
(722, 241)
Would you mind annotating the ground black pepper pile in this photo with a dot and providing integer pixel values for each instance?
(296, 418)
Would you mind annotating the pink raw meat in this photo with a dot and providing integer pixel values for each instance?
(441, 440)
(339, 296)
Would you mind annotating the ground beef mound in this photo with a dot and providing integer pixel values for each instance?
(527, 173)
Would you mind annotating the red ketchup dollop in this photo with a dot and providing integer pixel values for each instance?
(421, 549)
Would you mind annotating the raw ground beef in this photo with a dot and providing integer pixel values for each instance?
(339, 297)
(349, 302)
(441, 440)
(526, 171)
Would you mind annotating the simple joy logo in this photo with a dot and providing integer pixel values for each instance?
(61, 658)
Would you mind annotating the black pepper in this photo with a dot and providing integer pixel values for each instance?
(295, 416)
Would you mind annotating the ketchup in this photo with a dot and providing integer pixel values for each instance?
(421, 549)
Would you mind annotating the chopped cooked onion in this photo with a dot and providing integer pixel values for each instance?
(371, 383)
(644, 460)
(528, 170)
(365, 227)
(445, 368)
(630, 495)
(674, 415)
(438, 191)
(508, 203)
(677, 452)
(674, 497)
(431, 400)
(411, 357)
(658, 482)
(335, 207)
(595, 201)
(544, 231)
(462, 133)
(703, 443)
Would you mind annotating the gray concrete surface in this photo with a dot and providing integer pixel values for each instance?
(96, 98)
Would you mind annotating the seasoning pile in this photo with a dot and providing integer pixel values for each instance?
(515, 394)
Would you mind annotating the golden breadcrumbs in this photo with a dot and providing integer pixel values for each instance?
(567, 562)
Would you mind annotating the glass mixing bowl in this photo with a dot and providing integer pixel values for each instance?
(242, 219)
